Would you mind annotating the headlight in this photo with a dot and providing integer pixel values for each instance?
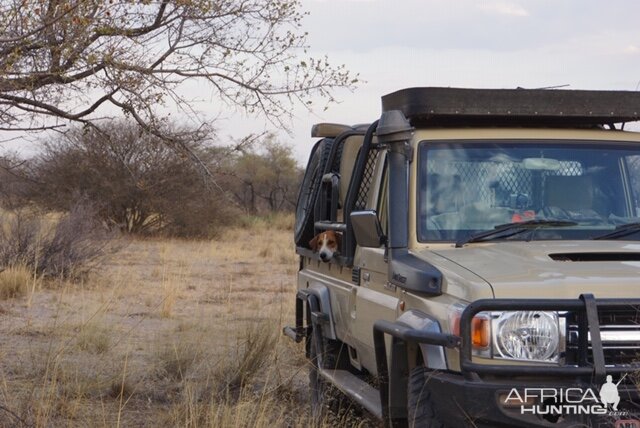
(514, 335)
(527, 335)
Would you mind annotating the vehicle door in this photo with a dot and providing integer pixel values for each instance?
(375, 298)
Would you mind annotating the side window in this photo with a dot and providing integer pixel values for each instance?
(633, 171)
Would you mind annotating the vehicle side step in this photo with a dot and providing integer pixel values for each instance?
(356, 389)
(295, 334)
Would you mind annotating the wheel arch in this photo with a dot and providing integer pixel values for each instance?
(403, 356)
(433, 356)
(316, 298)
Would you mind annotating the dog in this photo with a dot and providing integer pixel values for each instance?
(326, 244)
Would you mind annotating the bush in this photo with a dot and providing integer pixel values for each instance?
(14, 282)
(247, 360)
(14, 184)
(138, 182)
(192, 218)
(66, 248)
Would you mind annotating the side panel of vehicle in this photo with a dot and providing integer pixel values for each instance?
(376, 298)
(334, 281)
(375, 301)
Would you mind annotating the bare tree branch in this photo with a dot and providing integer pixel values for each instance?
(64, 59)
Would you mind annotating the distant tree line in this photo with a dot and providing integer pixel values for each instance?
(137, 183)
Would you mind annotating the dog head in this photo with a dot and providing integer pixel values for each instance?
(326, 244)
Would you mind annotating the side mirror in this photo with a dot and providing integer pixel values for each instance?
(367, 229)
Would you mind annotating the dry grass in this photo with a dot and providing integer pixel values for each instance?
(170, 333)
(94, 337)
(68, 246)
(284, 222)
(15, 281)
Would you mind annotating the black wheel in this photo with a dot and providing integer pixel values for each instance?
(303, 230)
(420, 410)
(326, 400)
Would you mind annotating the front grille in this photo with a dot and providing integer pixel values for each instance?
(619, 331)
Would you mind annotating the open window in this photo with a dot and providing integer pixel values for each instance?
(344, 184)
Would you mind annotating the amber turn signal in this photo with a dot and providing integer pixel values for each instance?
(480, 330)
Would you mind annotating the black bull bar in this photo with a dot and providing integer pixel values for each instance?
(586, 307)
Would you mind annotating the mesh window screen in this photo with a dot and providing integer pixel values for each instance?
(491, 182)
(367, 178)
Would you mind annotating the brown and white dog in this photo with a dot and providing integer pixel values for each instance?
(326, 244)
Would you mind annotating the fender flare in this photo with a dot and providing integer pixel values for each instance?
(433, 355)
(320, 292)
(394, 364)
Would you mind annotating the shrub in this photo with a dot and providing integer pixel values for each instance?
(66, 248)
(15, 281)
(137, 182)
(247, 359)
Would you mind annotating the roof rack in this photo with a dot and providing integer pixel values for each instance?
(432, 106)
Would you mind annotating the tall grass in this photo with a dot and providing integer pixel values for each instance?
(15, 281)
(168, 333)
(251, 385)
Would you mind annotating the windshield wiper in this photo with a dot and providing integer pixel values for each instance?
(620, 231)
(511, 229)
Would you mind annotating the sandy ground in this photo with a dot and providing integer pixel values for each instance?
(165, 333)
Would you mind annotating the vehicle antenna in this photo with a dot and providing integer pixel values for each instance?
(556, 86)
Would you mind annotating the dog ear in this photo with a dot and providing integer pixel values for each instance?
(313, 244)
(339, 241)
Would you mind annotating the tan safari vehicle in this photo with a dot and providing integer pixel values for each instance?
(489, 267)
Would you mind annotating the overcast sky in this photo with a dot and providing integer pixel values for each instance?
(395, 44)
(587, 44)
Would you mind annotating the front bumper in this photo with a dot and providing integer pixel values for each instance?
(459, 402)
(472, 397)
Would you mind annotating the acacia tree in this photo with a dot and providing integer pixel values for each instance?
(268, 178)
(69, 60)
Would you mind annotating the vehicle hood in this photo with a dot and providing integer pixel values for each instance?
(553, 269)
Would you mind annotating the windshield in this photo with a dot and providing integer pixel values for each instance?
(470, 187)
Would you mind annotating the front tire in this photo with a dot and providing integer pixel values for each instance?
(420, 410)
(326, 400)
